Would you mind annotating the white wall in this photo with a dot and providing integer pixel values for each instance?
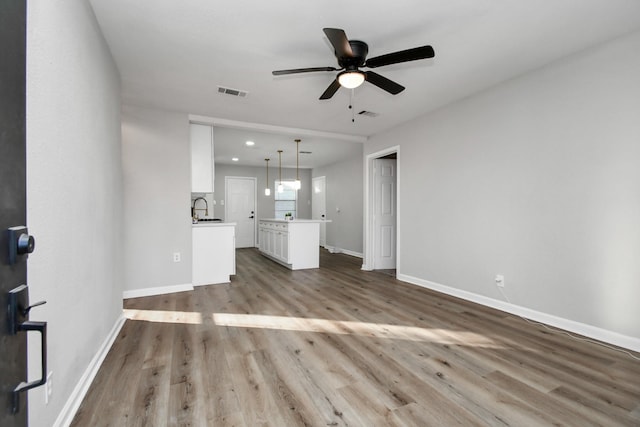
(157, 181)
(344, 191)
(536, 179)
(74, 193)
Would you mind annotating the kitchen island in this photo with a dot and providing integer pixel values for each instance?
(214, 252)
(295, 244)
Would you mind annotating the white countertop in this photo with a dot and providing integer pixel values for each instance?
(295, 220)
(213, 224)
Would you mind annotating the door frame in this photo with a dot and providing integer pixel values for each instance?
(324, 195)
(14, 344)
(369, 226)
(255, 202)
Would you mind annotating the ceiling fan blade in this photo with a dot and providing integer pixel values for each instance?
(331, 90)
(339, 41)
(383, 82)
(414, 54)
(302, 70)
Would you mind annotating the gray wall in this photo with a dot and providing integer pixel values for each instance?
(157, 176)
(265, 203)
(344, 191)
(74, 194)
(536, 179)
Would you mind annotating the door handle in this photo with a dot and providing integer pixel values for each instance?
(251, 217)
(18, 311)
(26, 311)
(24, 386)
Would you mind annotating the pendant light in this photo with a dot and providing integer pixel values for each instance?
(280, 186)
(267, 190)
(297, 184)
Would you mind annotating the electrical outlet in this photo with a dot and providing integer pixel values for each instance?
(176, 257)
(500, 281)
(48, 388)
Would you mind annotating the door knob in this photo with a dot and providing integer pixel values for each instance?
(26, 244)
(20, 243)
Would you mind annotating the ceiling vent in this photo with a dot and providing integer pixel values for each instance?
(368, 113)
(233, 92)
(305, 152)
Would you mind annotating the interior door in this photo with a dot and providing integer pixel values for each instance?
(384, 205)
(13, 347)
(319, 205)
(240, 195)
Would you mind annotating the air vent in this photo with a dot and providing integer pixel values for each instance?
(233, 92)
(368, 113)
(305, 152)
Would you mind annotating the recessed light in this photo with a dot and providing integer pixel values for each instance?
(250, 143)
(235, 159)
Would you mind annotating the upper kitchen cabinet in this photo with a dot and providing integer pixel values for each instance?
(202, 173)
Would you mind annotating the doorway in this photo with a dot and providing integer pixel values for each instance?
(319, 205)
(240, 207)
(382, 210)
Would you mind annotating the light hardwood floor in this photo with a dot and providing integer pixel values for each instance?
(337, 346)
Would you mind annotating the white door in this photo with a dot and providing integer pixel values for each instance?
(240, 195)
(384, 208)
(319, 205)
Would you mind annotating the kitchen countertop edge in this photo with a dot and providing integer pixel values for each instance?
(294, 220)
(213, 224)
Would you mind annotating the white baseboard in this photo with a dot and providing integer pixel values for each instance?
(596, 333)
(159, 290)
(216, 281)
(75, 399)
(335, 250)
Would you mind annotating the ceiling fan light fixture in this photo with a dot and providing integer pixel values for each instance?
(351, 79)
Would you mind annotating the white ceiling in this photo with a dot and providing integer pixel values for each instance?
(229, 143)
(174, 54)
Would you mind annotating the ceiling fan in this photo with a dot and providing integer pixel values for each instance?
(352, 55)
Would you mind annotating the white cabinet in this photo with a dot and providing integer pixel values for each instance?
(284, 246)
(274, 240)
(281, 243)
(214, 253)
(294, 244)
(202, 165)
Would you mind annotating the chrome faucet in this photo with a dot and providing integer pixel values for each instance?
(193, 207)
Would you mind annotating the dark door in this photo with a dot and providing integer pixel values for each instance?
(13, 347)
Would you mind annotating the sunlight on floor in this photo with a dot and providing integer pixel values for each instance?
(340, 327)
(186, 317)
(377, 330)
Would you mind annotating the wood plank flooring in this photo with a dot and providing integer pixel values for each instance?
(337, 346)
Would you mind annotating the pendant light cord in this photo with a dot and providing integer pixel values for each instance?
(297, 159)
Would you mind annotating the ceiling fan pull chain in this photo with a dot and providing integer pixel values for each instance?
(353, 117)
